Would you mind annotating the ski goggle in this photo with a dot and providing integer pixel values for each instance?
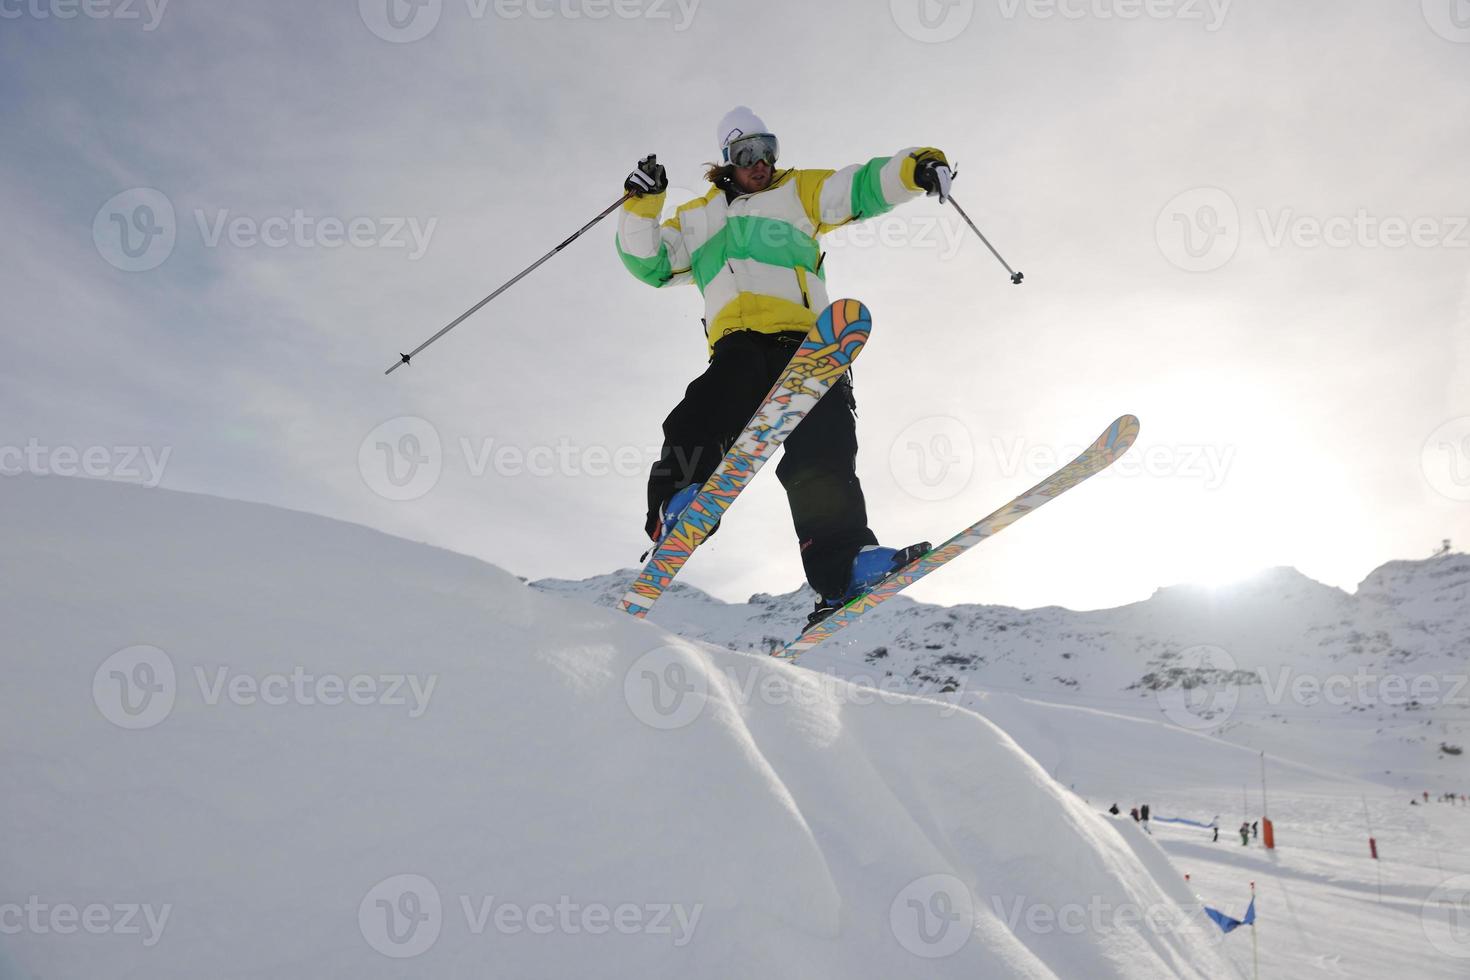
(747, 151)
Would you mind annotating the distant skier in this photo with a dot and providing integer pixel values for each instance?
(1245, 835)
(750, 245)
(1134, 814)
(1143, 812)
(1216, 838)
(1114, 810)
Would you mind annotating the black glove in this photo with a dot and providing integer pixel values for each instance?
(932, 173)
(649, 178)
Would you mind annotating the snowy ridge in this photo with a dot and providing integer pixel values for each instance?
(1371, 683)
(784, 822)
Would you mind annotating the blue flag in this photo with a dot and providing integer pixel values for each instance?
(1226, 923)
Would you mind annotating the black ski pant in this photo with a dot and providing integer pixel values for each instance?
(819, 470)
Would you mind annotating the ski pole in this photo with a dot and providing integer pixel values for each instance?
(405, 358)
(1016, 277)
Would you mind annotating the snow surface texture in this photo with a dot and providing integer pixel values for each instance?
(1372, 684)
(1168, 701)
(247, 742)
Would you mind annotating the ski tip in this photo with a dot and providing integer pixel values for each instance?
(846, 311)
(1121, 434)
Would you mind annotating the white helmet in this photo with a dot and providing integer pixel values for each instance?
(737, 124)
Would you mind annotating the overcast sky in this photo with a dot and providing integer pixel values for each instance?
(1243, 222)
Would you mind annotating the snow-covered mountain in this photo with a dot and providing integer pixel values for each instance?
(247, 742)
(1372, 683)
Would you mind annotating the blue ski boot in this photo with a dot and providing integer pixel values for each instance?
(674, 508)
(871, 566)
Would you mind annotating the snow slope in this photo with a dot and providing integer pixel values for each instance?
(249, 742)
(1075, 691)
(1371, 684)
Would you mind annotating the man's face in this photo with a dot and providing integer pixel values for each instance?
(753, 179)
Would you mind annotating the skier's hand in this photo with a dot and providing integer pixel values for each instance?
(648, 178)
(932, 173)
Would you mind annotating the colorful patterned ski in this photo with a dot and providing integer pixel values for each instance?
(829, 349)
(1098, 457)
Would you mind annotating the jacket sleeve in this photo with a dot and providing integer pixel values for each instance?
(866, 190)
(652, 252)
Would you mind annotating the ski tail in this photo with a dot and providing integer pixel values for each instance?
(831, 346)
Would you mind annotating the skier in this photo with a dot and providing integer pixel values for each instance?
(1245, 835)
(1114, 809)
(750, 245)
